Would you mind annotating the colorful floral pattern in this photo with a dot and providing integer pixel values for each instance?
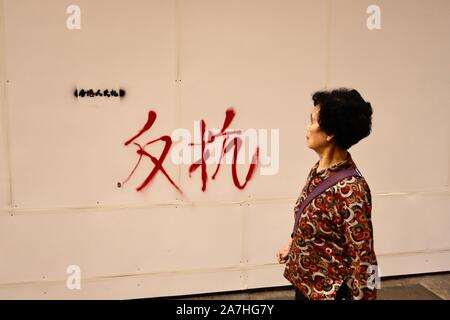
(333, 244)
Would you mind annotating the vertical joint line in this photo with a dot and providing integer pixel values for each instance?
(4, 119)
(177, 75)
(328, 44)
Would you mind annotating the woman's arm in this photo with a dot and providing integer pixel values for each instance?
(358, 233)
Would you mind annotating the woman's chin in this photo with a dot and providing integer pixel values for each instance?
(310, 146)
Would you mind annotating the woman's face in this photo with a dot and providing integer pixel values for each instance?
(316, 139)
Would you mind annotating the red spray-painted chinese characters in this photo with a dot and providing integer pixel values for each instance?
(235, 143)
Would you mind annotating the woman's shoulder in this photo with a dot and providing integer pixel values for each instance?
(353, 190)
(353, 186)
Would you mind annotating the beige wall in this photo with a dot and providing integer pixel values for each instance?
(61, 157)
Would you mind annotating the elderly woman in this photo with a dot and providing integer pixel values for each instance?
(330, 254)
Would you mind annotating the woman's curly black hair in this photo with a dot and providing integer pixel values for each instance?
(344, 113)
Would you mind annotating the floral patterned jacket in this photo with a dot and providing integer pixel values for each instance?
(333, 244)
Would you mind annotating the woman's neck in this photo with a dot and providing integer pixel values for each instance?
(330, 157)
